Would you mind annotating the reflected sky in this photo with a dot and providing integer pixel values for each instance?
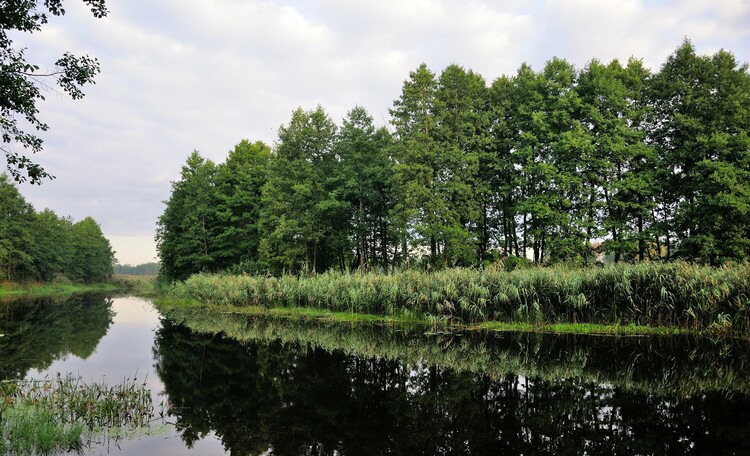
(125, 352)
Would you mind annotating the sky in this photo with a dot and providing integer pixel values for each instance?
(184, 75)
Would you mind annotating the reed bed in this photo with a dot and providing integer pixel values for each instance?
(53, 415)
(658, 294)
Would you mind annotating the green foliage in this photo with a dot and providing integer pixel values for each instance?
(676, 294)
(40, 246)
(300, 213)
(22, 83)
(50, 415)
(147, 269)
(560, 166)
(185, 232)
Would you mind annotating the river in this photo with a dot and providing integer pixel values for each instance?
(290, 387)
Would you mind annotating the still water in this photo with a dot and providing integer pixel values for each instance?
(302, 388)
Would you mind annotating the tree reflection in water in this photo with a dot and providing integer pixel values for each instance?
(297, 398)
(38, 332)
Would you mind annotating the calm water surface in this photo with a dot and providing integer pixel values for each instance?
(296, 388)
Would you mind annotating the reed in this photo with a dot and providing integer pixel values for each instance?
(54, 415)
(655, 294)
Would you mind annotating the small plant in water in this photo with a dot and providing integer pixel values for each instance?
(53, 415)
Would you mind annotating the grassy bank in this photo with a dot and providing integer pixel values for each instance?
(407, 319)
(122, 283)
(140, 285)
(677, 295)
(59, 288)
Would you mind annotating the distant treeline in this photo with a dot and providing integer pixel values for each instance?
(140, 269)
(38, 246)
(539, 164)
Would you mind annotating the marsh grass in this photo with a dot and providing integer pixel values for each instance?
(677, 295)
(50, 415)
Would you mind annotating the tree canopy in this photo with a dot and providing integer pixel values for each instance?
(21, 83)
(556, 165)
(40, 246)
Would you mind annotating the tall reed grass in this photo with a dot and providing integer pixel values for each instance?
(54, 415)
(664, 294)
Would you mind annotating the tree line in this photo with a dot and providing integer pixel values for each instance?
(147, 269)
(556, 165)
(41, 246)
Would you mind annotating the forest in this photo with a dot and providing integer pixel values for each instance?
(42, 246)
(562, 165)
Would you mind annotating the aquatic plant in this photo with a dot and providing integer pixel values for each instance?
(48, 415)
(658, 294)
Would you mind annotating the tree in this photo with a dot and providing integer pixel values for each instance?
(296, 216)
(618, 177)
(239, 181)
(186, 231)
(460, 135)
(92, 258)
(21, 82)
(365, 168)
(16, 219)
(701, 127)
(416, 169)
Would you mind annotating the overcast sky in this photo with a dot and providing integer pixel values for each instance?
(179, 75)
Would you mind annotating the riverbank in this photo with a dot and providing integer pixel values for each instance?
(631, 299)
(17, 290)
(119, 283)
(428, 323)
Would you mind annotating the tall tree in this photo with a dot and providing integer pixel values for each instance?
(294, 201)
(416, 155)
(462, 123)
(239, 181)
(365, 167)
(702, 130)
(187, 229)
(16, 238)
(92, 258)
(618, 177)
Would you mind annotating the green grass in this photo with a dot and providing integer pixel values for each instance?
(325, 315)
(56, 415)
(63, 288)
(140, 285)
(32, 431)
(583, 328)
(675, 295)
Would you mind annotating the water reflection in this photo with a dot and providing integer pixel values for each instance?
(295, 397)
(37, 332)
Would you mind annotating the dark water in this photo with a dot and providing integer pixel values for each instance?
(318, 389)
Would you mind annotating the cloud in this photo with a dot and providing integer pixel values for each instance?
(178, 76)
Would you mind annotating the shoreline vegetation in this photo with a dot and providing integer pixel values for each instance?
(647, 298)
(62, 288)
(119, 283)
(63, 414)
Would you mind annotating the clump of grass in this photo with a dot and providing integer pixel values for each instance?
(648, 294)
(47, 415)
(31, 431)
